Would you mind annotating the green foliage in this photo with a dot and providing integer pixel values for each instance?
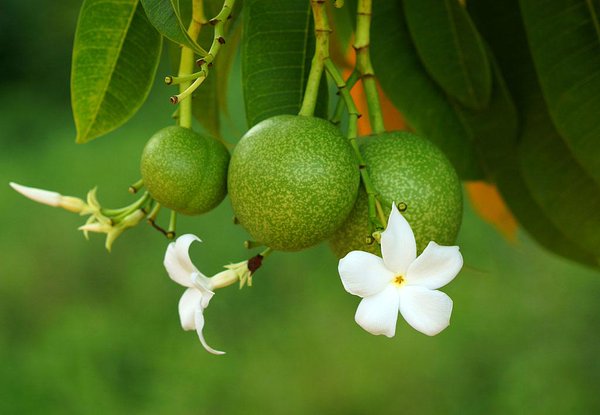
(115, 57)
(165, 16)
(277, 49)
(451, 49)
(552, 204)
(564, 37)
(547, 177)
(424, 105)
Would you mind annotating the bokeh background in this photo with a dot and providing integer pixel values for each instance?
(85, 331)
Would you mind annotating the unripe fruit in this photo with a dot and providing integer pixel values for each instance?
(185, 171)
(292, 181)
(412, 172)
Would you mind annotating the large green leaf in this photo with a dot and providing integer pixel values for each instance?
(516, 163)
(115, 57)
(423, 104)
(165, 16)
(451, 49)
(569, 195)
(277, 48)
(494, 129)
(564, 37)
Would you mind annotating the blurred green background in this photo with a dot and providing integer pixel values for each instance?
(84, 331)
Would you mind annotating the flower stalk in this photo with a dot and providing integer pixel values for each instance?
(186, 87)
(322, 61)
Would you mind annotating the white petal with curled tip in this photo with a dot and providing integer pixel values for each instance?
(435, 267)
(190, 301)
(398, 243)
(427, 311)
(38, 195)
(182, 247)
(378, 313)
(363, 274)
(176, 271)
(177, 260)
(199, 320)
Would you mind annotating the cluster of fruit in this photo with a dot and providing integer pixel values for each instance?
(294, 181)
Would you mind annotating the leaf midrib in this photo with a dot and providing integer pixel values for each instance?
(594, 16)
(470, 88)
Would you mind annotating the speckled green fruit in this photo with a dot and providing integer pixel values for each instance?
(292, 181)
(408, 169)
(185, 171)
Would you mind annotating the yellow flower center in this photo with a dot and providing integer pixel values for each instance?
(399, 280)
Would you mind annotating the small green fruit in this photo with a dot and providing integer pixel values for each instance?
(292, 181)
(185, 171)
(412, 172)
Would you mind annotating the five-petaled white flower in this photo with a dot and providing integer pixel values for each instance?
(401, 281)
(199, 287)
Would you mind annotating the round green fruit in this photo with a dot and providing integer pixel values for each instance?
(412, 172)
(292, 181)
(185, 171)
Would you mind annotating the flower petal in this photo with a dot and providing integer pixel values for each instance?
(190, 301)
(199, 320)
(427, 311)
(45, 197)
(378, 313)
(364, 274)
(177, 260)
(435, 267)
(398, 243)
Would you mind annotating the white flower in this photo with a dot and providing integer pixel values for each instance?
(401, 281)
(199, 287)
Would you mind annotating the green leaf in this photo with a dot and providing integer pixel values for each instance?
(451, 49)
(569, 195)
(495, 129)
(564, 37)
(535, 201)
(277, 48)
(423, 104)
(115, 57)
(165, 16)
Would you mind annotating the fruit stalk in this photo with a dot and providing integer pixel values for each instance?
(186, 88)
(339, 107)
(376, 224)
(364, 66)
(322, 31)
(186, 64)
(219, 35)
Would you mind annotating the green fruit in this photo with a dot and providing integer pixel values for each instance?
(409, 170)
(292, 181)
(185, 171)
